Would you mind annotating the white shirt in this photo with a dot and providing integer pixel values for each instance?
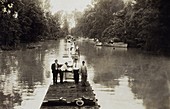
(63, 67)
(76, 66)
(56, 66)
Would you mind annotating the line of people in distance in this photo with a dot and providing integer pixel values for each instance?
(58, 69)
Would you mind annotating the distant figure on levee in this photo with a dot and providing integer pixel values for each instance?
(63, 70)
(76, 71)
(83, 72)
(55, 71)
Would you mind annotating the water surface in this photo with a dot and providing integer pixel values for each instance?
(121, 78)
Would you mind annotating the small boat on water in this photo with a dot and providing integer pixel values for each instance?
(116, 44)
(69, 39)
(99, 44)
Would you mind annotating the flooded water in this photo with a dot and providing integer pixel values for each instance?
(121, 78)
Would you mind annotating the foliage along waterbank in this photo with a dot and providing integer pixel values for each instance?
(140, 23)
(27, 21)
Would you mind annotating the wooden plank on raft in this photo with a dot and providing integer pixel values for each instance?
(70, 95)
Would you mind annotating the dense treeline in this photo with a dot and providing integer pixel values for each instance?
(26, 21)
(140, 23)
(98, 18)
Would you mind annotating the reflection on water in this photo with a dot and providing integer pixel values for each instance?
(121, 78)
(119, 97)
(128, 78)
(24, 76)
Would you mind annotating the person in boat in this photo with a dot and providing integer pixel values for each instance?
(76, 71)
(55, 71)
(63, 70)
(83, 72)
(72, 46)
(77, 50)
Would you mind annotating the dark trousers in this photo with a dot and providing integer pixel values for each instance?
(61, 76)
(83, 80)
(55, 73)
(55, 76)
(76, 76)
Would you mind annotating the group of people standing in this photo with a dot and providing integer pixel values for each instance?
(78, 70)
(57, 69)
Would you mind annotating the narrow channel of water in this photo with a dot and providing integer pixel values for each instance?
(121, 78)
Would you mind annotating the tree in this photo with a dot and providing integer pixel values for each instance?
(10, 27)
(143, 24)
(98, 18)
(24, 21)
(65, 27)
(32, 18)
(164, 26)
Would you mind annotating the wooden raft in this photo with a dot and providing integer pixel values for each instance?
(70, 96)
